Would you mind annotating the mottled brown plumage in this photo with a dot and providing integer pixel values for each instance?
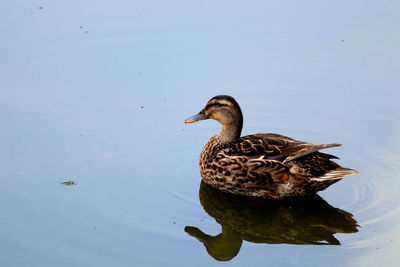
(262, 165)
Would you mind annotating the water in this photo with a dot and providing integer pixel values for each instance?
(97, 92)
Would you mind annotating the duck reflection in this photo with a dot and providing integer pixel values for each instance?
(300, 221)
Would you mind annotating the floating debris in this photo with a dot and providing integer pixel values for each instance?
(81, 27)
(69, 183)
(86, 31)
(40, 7)
(142, 107)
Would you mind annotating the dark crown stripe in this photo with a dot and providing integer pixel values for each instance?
(216, 104)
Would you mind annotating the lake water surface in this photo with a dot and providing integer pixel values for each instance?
(96, 92)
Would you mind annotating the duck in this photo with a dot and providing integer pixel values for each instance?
(263, 165)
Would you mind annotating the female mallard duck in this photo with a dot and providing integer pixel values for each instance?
(261, 165)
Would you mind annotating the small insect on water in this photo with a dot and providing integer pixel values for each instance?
(69, 183)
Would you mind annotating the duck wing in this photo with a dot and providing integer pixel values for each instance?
(253, 161)
(273, 147)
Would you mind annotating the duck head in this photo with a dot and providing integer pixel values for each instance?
(225, 110)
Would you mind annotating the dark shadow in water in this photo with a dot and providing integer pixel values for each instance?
(301, 221)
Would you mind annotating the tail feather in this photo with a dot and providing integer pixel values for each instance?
(311, 148)
(335, 174)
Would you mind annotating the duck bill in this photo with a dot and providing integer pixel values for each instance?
(198, 117)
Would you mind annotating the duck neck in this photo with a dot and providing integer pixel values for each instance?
(230, 132)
